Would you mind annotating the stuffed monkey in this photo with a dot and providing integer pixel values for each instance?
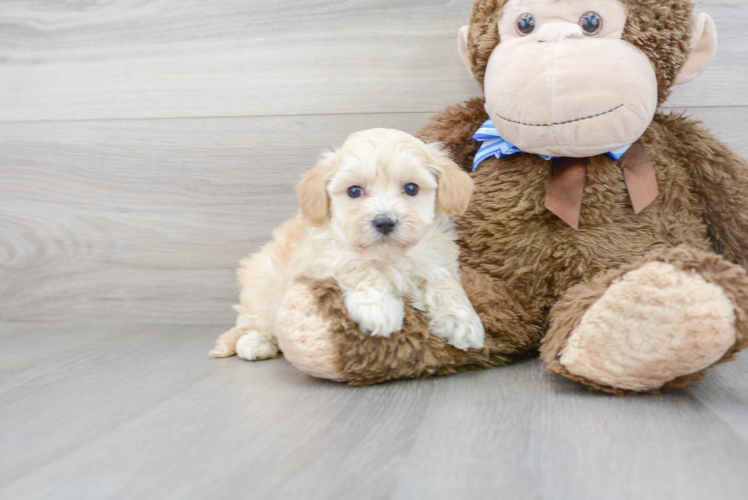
(608, 236)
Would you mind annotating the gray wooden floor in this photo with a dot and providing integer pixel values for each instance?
(125, 411)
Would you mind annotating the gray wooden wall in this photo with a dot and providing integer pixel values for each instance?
(147, 145)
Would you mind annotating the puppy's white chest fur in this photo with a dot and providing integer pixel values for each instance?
(434, 257)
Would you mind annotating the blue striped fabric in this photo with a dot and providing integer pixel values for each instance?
(495, 145)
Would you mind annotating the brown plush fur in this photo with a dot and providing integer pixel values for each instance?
(568, 312)
(509, 235)
(512, 331)
(519, 259)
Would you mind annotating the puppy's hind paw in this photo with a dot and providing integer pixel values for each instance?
(255, 346)
(226, 343)
(462, 329)
(378, 314)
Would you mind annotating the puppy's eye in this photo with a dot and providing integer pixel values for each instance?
(526, 24)
(411, 189)
(591, 23)
(355, 192)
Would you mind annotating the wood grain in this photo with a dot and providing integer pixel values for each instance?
(114, 205)
(143, 413)
(186, 58)
(146, 220)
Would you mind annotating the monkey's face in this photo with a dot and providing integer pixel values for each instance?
(562, 82)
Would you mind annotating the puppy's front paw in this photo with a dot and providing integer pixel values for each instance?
(461, 327)
(376, 313)
(255, 346)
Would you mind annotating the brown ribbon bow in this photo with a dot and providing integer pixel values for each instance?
(566, 183)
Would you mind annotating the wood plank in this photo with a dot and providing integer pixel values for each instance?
(180, 58)
(147, 220)
(726, 394)
(520, 432)
(149, 415)
(273, 411)
(18, 363)
(87, 392)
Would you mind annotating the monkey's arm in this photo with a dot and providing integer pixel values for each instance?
(455, 127)
(720, 179)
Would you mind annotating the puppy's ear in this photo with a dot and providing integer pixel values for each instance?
(455, 185)
(312, 192)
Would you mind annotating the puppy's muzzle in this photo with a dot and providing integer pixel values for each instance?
(384, 224)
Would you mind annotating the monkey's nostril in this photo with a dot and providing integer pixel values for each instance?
(384, 224)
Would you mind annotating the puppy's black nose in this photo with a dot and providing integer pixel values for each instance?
(384, 224)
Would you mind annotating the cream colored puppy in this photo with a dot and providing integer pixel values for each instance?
(374, 216)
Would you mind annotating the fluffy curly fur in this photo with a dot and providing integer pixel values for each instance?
(519, 260)
(382, 243)
(514, 276)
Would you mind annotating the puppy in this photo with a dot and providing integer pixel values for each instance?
(374, 216)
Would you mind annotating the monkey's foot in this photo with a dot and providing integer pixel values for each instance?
(656, 325)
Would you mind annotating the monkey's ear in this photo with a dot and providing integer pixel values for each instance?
(462, 46)
(703, 48)
(312, 192)
(455, 185)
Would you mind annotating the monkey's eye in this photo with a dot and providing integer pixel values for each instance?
(526, 24)
(355, 192)
(411, 189)
(591, 23)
